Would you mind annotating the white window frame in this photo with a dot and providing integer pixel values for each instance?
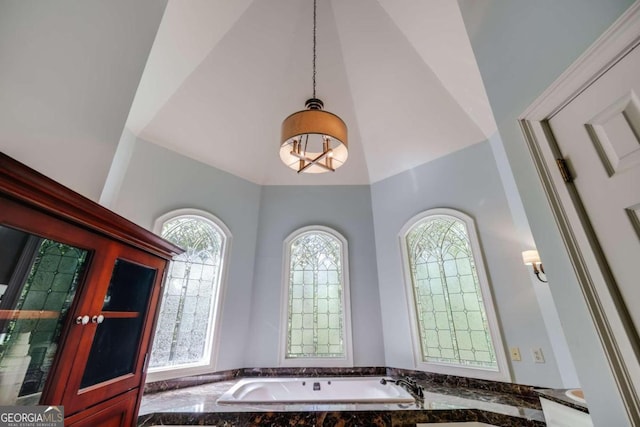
(502, 373)
(347, 360)
(212, 343)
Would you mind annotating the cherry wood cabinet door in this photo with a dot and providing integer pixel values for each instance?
(46, 285)
(114, 345)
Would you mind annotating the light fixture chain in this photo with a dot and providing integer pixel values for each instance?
(314, 47)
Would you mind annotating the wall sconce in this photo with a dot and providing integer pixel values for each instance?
(532, 258)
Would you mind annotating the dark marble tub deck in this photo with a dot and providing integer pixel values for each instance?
(444, 401)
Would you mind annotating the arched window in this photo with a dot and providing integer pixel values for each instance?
(316, 321)
(184, 337)
(454, 322)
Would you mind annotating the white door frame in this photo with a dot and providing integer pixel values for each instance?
(617, 334)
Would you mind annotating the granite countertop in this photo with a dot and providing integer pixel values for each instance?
(560, 396)
(197, 405)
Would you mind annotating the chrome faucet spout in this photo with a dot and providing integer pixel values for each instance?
(408, 384)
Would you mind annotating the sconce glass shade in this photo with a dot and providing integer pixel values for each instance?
(313, 140)
(530, 257)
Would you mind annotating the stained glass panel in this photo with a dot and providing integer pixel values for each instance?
(190, 292)
(452, 320)
(316, 319)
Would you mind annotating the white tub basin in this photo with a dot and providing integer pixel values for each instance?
(315, 390)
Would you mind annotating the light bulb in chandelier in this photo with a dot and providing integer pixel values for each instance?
(314, 140)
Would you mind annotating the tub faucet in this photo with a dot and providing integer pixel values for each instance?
(409, 384)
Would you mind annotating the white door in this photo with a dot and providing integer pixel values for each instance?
(590, 116)
(598, 134)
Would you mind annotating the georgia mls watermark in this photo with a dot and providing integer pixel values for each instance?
(31, 416)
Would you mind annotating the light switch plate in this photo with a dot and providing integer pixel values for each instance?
(515, 354)
(538, 357)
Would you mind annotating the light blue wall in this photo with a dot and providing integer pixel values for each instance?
(158, 181)
(468, 181)
(285, 209)
(521, 47)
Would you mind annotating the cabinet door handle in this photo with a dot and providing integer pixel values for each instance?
(97, 319)
(82, 320)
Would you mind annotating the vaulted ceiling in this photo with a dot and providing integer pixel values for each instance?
(222, 75)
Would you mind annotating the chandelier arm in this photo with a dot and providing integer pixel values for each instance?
(312, 162)
(308, 165)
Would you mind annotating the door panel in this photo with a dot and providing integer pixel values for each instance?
(43, 227)
(117, 412)
(118, 331)
(38, 283)
(598, 133)
(119, 325)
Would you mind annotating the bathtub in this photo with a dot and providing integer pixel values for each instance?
(315, 390)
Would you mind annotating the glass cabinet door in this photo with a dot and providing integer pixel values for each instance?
(38, 282)
(120, 323)
(115, 325)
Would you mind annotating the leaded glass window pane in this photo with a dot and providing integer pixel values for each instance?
(190, 292)
(315, 314)
(39, 280)
(452, 320)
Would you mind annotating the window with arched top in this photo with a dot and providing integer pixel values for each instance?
(185, 336)
(316, 322)
(455, 330)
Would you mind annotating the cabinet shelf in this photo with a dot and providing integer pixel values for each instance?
(28, 314)
(120, 314)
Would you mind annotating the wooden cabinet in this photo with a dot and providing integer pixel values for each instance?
(79, 292)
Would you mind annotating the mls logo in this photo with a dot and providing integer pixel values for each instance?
(31, 416)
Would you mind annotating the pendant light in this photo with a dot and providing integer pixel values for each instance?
(313, 140)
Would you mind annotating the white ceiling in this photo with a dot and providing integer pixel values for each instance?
(223, 74)
(68, 75)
